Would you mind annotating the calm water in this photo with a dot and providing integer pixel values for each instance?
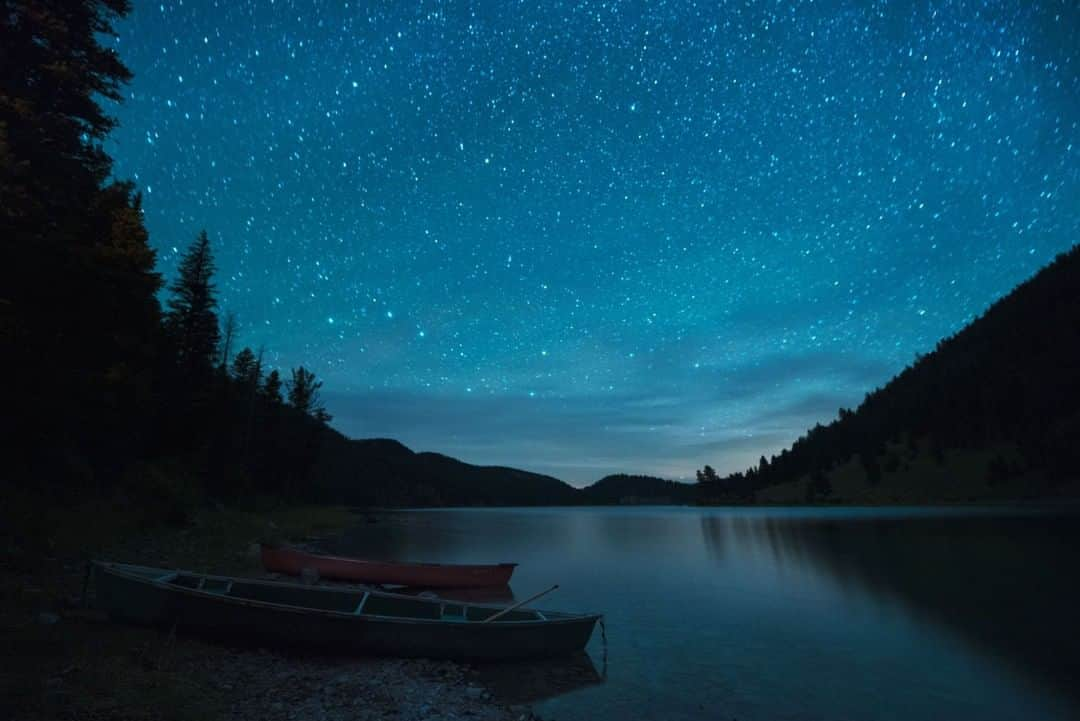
(782, 613)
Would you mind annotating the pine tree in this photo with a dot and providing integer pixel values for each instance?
(707, 475)
(51, 122)
(271, 389)
(228, 335)
(247, 370)
(191, 321)
(303, 392)
(77, 281)
(763, 466)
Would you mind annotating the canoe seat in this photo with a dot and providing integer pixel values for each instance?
(216, 585)
(401, 607)
(303, 596)
(185, 580)
(453, 612)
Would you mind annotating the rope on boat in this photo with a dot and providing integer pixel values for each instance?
(603, 637)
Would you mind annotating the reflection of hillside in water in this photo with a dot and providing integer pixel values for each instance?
(1006, 585)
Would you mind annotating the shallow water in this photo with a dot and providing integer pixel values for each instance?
(774, 613)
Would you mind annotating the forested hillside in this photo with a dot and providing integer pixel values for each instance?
(110, 394)
(629, 489)
(997, 403)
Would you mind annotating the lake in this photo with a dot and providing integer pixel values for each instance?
(780, 613)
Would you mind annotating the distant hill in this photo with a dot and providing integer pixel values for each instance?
(384, 472)
(992, 412)
(626, 489)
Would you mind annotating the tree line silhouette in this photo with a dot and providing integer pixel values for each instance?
(1008, 381)
(106, 389)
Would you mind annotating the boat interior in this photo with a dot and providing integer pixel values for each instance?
(340, 600)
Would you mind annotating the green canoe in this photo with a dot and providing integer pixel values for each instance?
(343, 619)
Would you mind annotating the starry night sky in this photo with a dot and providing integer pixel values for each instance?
(593, 237)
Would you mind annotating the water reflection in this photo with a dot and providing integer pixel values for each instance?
(766, 613)
(987, 578)
(529, 682)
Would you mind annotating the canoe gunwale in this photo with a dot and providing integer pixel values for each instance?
(411, 564)
(414, 564)
(165, 582)
(292, 561)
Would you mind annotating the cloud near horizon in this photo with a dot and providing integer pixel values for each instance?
(724, 417)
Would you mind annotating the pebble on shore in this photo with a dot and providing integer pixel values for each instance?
(266, 685)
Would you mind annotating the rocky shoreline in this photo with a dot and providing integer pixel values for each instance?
(268, 685)
(345, 689)
(262, 685)
(77, 664)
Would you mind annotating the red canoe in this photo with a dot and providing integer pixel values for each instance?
(428, 575)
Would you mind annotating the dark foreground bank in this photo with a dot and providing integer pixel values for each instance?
(61, 660)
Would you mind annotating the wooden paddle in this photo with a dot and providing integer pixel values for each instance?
(519, 604)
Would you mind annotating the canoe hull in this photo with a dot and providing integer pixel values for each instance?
(135, 600)
(426, 575)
